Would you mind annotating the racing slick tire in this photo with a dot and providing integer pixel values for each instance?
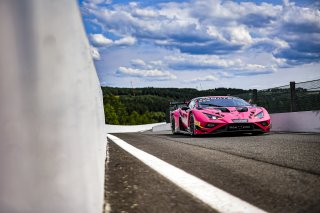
(192, 126)
(173, 126)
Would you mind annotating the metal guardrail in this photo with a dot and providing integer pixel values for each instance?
(294, 97)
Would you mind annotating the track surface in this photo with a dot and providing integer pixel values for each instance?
(276, 172)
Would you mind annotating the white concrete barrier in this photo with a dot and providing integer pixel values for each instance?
(130, 128)
(52, 131)
(162, 127)
(307, 121)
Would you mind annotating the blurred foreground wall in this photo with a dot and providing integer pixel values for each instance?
(52, 132)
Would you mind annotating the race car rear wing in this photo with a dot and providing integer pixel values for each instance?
(176, 105)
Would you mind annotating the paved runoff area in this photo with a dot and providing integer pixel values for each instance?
(161, 172)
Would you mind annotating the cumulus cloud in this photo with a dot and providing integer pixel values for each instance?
(152, 74)
(99, 40)
(209, 39)
(208, 62)
(126, 41)
(95, 53)
(198, 64)
(138, 62)
(302, 35)
(205, 78)
(171, 26)
(215, 27)
(99, 1)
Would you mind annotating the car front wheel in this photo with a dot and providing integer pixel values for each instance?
(173, 126)
(192, 125)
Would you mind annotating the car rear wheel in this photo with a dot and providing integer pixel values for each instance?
(173, 126)
(192, 125)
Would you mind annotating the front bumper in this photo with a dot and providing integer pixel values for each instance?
(260, 126)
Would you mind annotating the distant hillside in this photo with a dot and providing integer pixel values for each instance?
(174, 93)
(129, 106)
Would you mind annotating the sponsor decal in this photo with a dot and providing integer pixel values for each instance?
(240, 127)
(240, 120)
(197, 123)
(213, 98)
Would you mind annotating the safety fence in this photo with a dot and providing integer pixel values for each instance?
(294, 97)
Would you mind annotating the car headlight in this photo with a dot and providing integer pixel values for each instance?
(259, 115)
(210, 116)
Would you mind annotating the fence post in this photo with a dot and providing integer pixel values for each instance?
(168, 115)
(293, 103)
(255, 96)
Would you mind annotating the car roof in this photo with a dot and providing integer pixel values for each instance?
(216, 97)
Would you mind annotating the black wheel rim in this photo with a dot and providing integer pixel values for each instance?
(173, 126)
(192, 125)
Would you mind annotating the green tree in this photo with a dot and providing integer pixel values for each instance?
(134, 118)
(111, 116)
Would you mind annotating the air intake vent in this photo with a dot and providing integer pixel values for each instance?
(242, 109)
(223, 109)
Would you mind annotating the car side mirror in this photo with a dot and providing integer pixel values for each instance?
(185, 108)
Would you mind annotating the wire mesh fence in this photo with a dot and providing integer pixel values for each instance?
(245, 96)
(303, 96)
(275, 100)
(308, 95)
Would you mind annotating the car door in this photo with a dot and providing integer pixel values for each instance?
(185, 113)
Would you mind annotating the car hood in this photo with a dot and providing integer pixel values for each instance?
(234, 112)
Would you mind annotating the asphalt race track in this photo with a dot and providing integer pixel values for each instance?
(274, 172)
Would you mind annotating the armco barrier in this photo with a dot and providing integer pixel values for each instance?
(130, 128)
(307, 121)
(163, 127)
(52, 131)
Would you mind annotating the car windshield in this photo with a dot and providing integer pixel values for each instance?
(222, 102)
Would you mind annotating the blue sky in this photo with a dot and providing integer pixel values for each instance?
(203, 44)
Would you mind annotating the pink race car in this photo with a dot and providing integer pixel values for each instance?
(217, 114)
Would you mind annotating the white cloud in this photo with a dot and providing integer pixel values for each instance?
(240, 35)
(99, 1)
(199, 61)
(127, 41)
(235, 66)
(222, 67)
(205, 78)
(145, 12)
(95, 53)
(153, 74)
(221, 39)
(100, 40)
(138, 62)
(141, 64)
(214, 27)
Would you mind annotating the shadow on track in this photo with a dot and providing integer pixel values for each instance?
(218, 135)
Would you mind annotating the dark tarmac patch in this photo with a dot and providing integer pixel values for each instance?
(132, 186)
